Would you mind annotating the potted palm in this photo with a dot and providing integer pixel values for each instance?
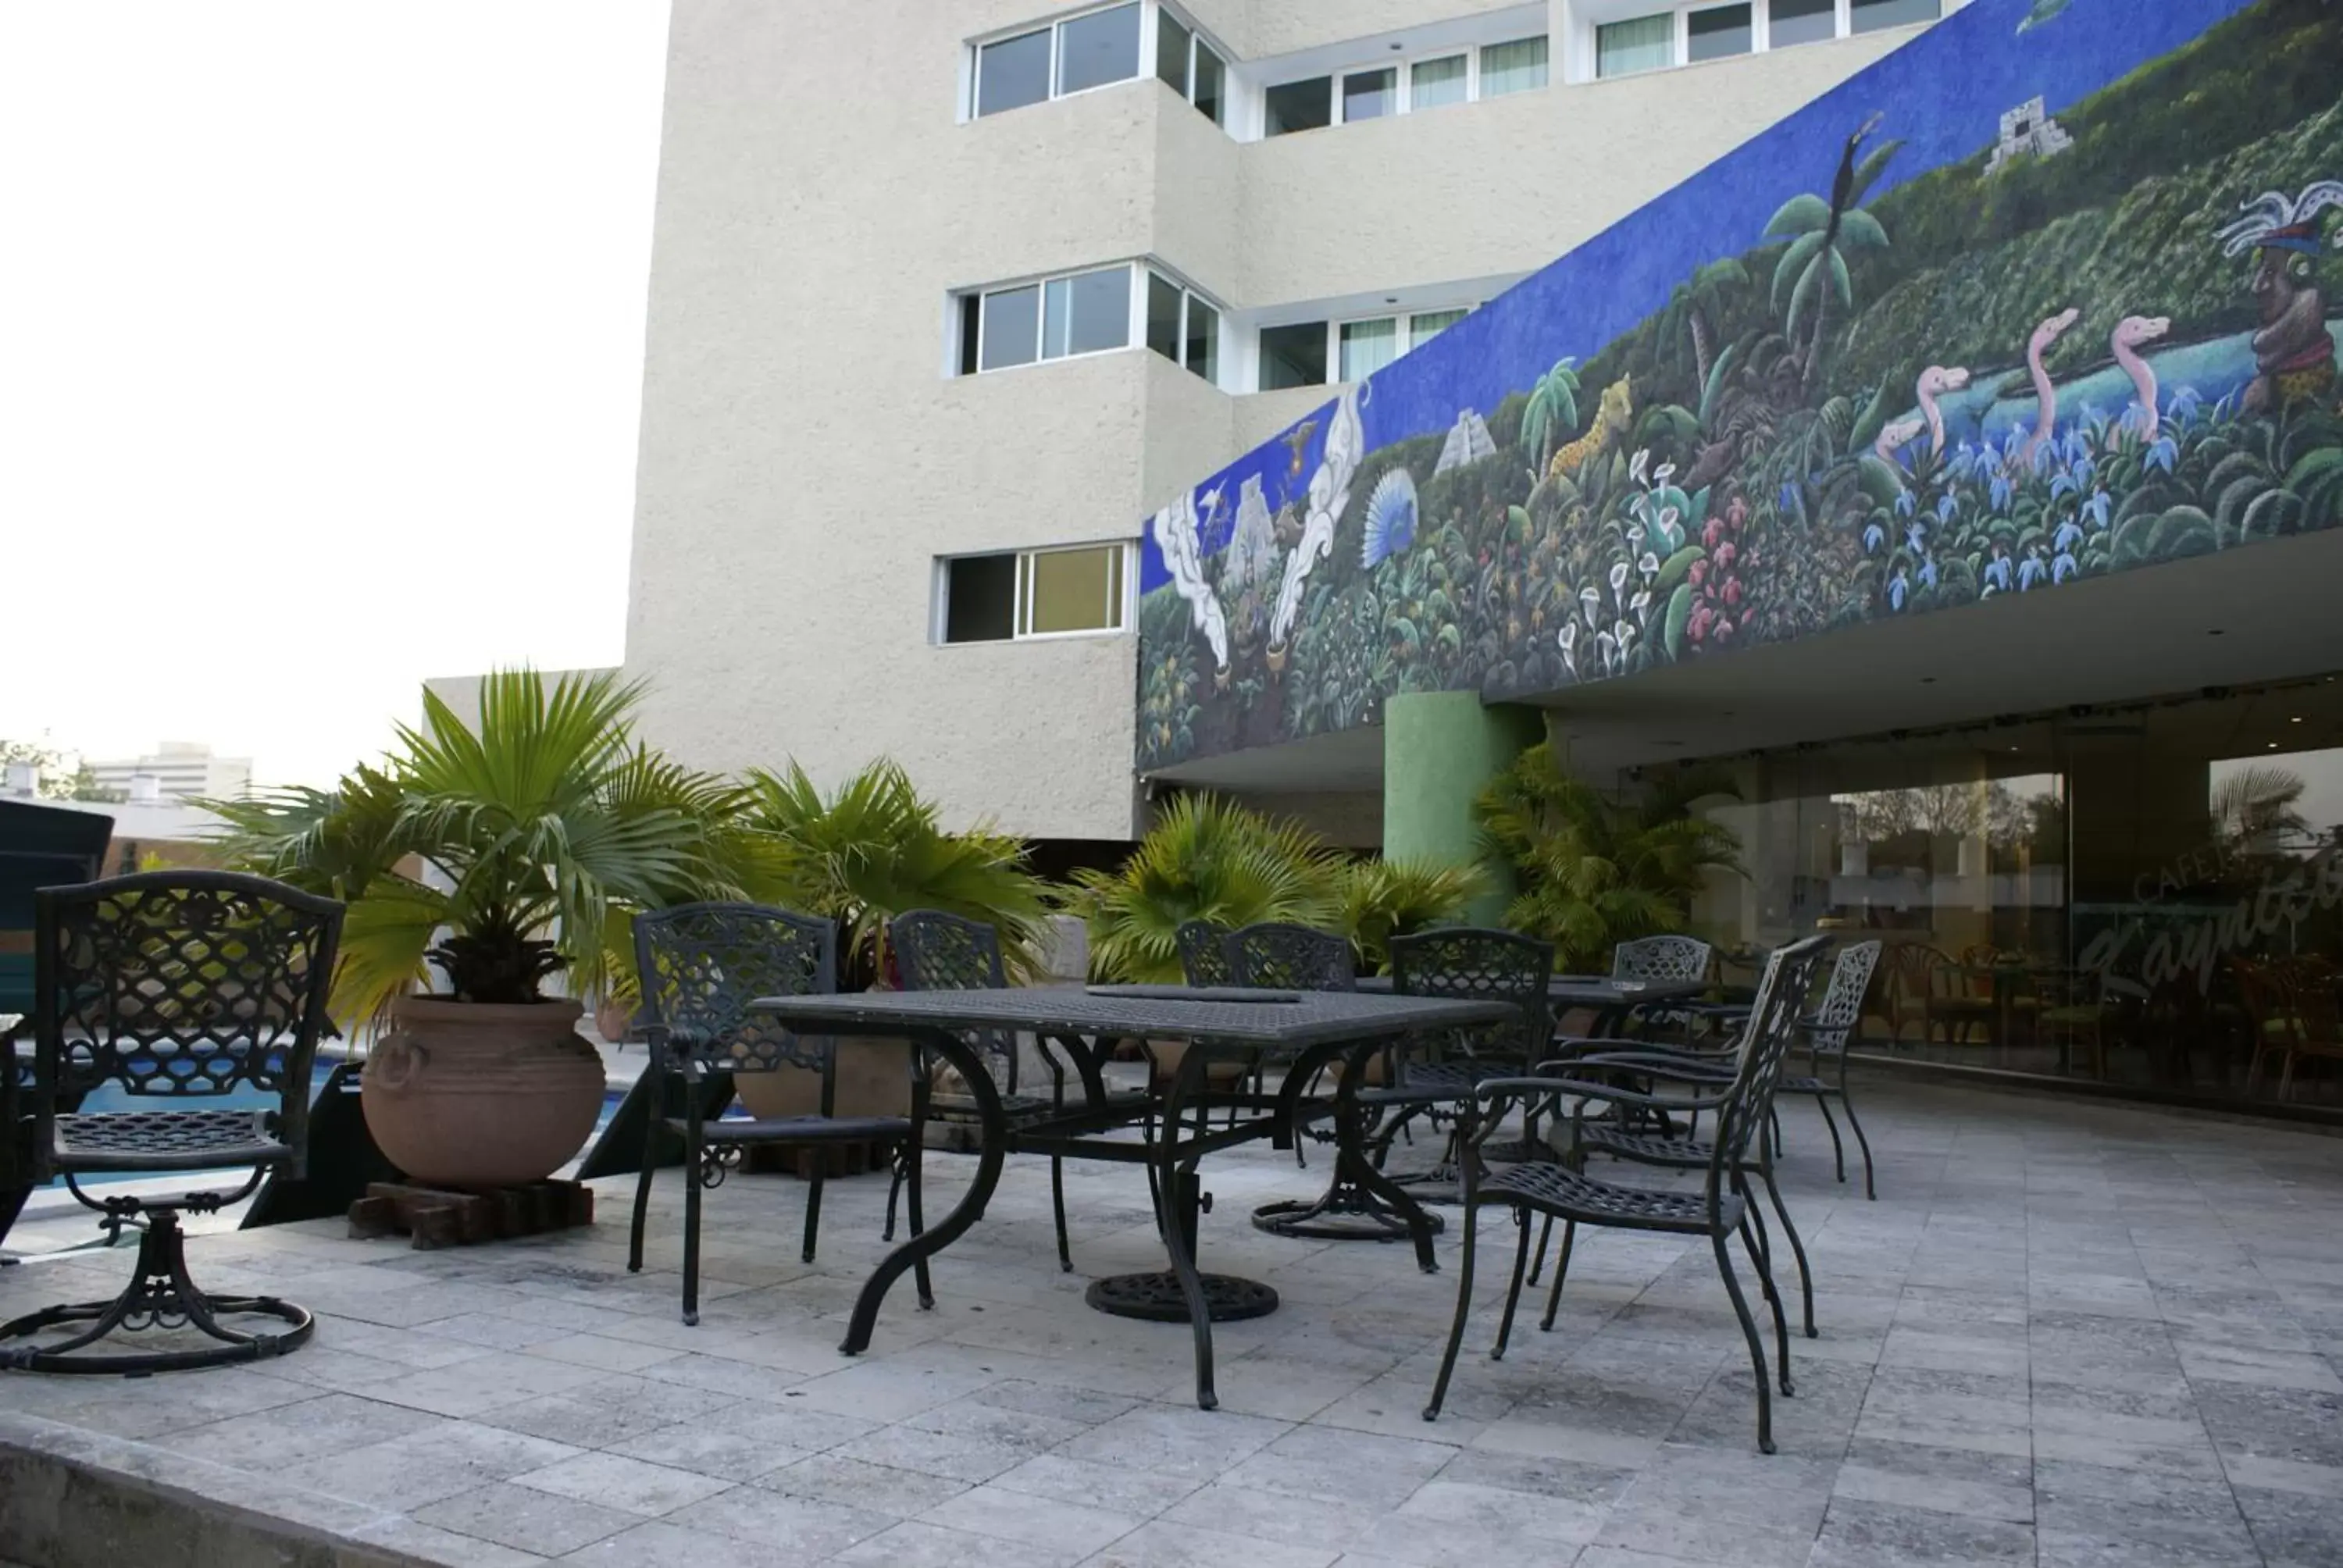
(1593, 871)
(867, 851)
(502, 854)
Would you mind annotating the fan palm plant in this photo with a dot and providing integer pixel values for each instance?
(530, 839)
(873, 848)
(1594, 872)
(1376, 901)
(1205, 859)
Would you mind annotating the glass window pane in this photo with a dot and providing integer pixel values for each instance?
(1431, 82)
(1072, 590)
(1370, 95)
(1868, 14)
(979, 598)
(1623, 48)
(1012, 322)
(1209, 92)
(1715, 34)
(1792, 21)
(1172, 52)
(1293, 355)
(1012, 73)
(1368, 346)
(1099, 48)
(1203, 340)
(1163, 316)
(1426, 325)
(1299, 106)
(1513, 67)
(1086, 313)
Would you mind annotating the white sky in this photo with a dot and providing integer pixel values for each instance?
(320, 354)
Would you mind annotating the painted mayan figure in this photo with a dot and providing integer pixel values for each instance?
(2294, 356)
(1612, 417)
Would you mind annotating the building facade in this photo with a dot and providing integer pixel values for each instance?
(919, 359)
(177, 770)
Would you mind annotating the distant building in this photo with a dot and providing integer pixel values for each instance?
(176, 770)
(2028, 130)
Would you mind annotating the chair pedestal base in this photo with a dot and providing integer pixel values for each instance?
(159, 1297)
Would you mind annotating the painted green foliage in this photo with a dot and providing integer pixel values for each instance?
(1975, 383)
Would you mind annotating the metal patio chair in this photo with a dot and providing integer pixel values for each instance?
(935, 950)
(1662, 957)
(1278, 955)
(200, 997)
(700, 966)
(1475, 964)
(1720, 1209)
(1204, 953)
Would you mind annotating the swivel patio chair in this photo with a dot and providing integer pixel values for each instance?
(702, 966)
(1719, 1210)
(939, 951)
(199, 997)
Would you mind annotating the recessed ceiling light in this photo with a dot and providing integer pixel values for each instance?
(2273, 745)
(2296, 719)
(1391, 300)
(1927, 681)
(2215, 631)
(1398, 46)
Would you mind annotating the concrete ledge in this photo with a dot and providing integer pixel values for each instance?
(74, 1499)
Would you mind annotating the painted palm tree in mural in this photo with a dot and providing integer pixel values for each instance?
(1813, 269)
(1552, 409)
(1694, 307)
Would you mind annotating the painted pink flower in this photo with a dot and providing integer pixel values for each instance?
(1713, 531)
(1732, 591)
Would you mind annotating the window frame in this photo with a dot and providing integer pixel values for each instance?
(1123, 597)
(1190, 297)
(1134, 319)
(1587, 66)
(1144, 69)
(1480, 94)
(1400, 316)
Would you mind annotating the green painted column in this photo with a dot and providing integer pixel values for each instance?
(1439, 749)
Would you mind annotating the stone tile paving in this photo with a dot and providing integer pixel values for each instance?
(2068, 1334)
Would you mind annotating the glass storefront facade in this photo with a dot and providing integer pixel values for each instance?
(2150, 894)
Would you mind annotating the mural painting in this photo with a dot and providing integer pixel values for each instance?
(2049, 293)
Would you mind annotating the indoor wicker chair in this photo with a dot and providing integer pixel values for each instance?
(702, 965)
(199, 996)
(1719, 1208)
(939, 951)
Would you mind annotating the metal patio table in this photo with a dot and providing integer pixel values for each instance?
(1305, 1031)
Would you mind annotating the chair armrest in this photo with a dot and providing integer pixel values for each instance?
(1668, 1067)
(1501, 1088)
(1576, 1046)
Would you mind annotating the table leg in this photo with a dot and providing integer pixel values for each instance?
(1360, 1203)
(992, 1129)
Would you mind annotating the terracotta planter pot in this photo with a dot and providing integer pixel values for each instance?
(471, 1097)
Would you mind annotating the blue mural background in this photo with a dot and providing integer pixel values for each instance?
(1757, 388)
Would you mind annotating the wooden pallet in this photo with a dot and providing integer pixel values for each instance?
(436, 1218)
(802, 1160)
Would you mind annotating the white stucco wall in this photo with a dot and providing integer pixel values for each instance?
(804, 457)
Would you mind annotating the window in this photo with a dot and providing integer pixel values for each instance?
(1368, 346)
(1645, 43)
(1173, 44)
(1304, 105)
(1209, 86)
(1714, 34)
(1426, 325)
(1370, 95)
(1183, 327)
(1293, 355)
(1789, 22)
(1013, 73)
(1513, 67)
(1187, 66)
(1099, 48)
(1026, 594)
(1077, 54)
(1433, 82)
(1084, 313)
(1870, 15)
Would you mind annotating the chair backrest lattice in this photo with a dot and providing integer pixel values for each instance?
(702, 964)
(1669, 959)
(1834, 1023)
(181, 986)
(1204, 953)
(1292, 958)
(936, 951)
(1481, 964)
(1766, 1043)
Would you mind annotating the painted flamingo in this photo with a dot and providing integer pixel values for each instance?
(2130, 333)
(1935, 382)
(1894, 439)
(2047, 420)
